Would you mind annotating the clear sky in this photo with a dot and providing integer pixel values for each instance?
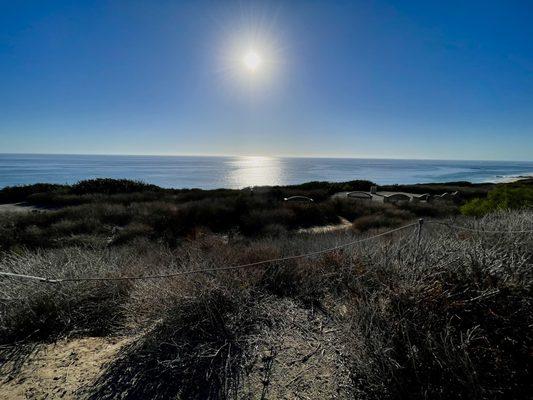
(390, 79)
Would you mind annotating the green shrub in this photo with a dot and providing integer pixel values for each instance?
(477, 207)
(501, 198)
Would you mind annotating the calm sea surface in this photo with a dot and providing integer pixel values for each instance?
(237, 172)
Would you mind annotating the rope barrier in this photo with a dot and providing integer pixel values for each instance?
(257, 263)
(466, 228)
(195, 271)
(24, 276)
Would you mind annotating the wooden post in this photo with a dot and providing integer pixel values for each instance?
(418, 238)
(419, 232)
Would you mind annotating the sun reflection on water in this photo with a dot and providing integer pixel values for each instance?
(255, 171)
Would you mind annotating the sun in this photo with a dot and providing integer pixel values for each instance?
(252, 61)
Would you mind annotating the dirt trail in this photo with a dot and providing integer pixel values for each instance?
(344, 224)
(299, 357)
(296, 354)
(58, 370)
(20, 208)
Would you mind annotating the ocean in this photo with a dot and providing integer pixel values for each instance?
(238, 172)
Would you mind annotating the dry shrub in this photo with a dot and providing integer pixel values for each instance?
(430, 209)
(274, 231)
(195, 348)
(34, 310)
(387, 218)
(254, 222)
(312, 280)
(455, 324)
(132, 231)
(448, 319)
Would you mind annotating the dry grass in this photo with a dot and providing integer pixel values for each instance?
(451, 319)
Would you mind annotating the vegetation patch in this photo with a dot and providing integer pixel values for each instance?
(446, 316)
(500, 198)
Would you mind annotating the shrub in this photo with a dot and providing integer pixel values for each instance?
(112, 186)
(388, 218)
(195, 349)
(501, 198)
(67, 227)
(252, 224)
(132, 231)
(446, 317)
(58, 199)
(447, 326)
(274, 230)
(306, 215)
(15, 194)
(33, 310)
(430, 209)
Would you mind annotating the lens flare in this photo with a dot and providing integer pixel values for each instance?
(250, 51)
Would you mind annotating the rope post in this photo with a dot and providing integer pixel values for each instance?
(418, 237)
(419, 232)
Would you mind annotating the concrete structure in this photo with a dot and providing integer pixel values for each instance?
(359, 195)
(445, 197)
(418, 198)
(396, 198)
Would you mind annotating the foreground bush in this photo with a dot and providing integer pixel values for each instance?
(33, 310)
(194, 350)
(453, 324)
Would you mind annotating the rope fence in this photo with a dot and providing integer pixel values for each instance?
(418, 224)
(466, 228)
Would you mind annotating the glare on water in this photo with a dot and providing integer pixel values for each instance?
(255, 171)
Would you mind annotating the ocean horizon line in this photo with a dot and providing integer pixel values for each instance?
(266, 156)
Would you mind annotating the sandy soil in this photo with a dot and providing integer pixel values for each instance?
(58, 371)
(345, 224)
(299, 357)
(19, 207)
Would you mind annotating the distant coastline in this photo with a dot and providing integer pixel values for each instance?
(512, 178)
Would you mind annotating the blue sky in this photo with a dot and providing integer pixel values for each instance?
(411, 79)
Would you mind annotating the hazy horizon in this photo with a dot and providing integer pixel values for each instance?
(260, 156)
(338, 79)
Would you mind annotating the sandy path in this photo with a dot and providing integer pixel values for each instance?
(59, 370)
(345, 224)
(299, 356)
(19, 207)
